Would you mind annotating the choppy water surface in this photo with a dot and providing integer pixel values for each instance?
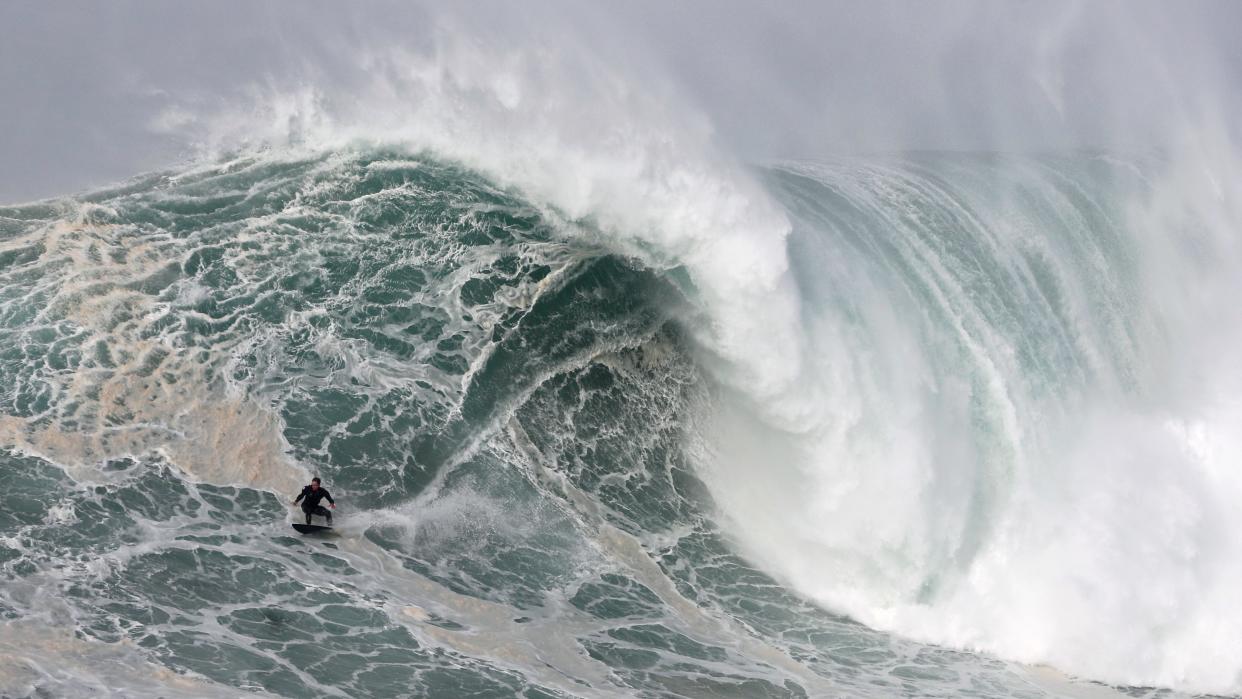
(551, 484)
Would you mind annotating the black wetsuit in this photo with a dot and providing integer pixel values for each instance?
(311, 506)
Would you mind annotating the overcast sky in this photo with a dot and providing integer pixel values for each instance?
(87, 88)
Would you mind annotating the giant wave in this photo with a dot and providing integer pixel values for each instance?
(977, 401)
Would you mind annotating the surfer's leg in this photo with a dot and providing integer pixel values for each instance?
(308, 515)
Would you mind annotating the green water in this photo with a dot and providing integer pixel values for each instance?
(509, 415)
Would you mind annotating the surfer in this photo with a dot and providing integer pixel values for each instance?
(311, 495)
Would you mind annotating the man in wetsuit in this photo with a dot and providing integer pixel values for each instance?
(310, 496)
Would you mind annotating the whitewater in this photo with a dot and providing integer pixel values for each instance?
(609, 411)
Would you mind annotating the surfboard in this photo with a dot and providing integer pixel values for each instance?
(310, 528)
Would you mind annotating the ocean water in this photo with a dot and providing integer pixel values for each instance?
(954, 425)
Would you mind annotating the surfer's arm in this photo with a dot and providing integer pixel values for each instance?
(331, 502)
(299, 497)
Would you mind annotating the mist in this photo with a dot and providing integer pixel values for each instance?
(96, 93)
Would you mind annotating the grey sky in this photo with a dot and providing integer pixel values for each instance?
(83, 83)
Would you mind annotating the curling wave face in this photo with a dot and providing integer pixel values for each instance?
(943, 399)
(1024, 400)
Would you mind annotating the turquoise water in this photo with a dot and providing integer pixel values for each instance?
(543, 485)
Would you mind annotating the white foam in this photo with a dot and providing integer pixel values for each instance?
(1099, 534)
(151, 394)
(36, 660)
